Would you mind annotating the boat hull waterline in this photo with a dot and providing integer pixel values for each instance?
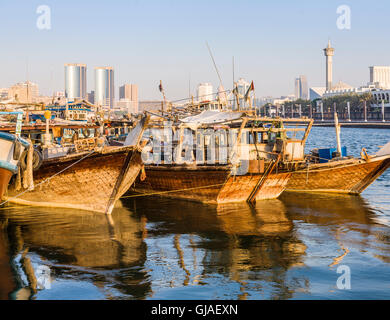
(348, 177)
(94, 183)
(211, 185)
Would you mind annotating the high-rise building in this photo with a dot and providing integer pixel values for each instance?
(297, 88)
(329, 53)
(104, 86)
(27, 92)
(128, 97)
(380, 76)
(75, 81)
(205, 92)
(301, 88)
(129, 91)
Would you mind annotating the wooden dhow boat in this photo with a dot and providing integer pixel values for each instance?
(349, 176)
(332, 171)
(11, 149)
(92, 178)
(259, 157)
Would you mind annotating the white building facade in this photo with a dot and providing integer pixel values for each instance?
(380, 76)
(104, 87)
(205, 92)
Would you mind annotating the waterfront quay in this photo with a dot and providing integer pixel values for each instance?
(354, 124)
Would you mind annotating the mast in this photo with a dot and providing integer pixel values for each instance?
(216, 69)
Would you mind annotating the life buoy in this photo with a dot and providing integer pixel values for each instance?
(37, 160)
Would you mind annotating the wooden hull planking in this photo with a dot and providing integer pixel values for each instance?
(208, 184)
(93, 184)
(351, 177)
(5, 177)
(239, 188)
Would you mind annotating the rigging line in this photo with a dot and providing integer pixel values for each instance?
(215, 66)
(48, 179)
(184, 99)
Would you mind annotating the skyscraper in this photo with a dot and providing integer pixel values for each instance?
(329, 53)
(301, 88)
(128, 97)
(297, 88)
(129, 91)
(104, 86)
(75, 81)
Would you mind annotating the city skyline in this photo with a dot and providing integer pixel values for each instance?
(171, 46)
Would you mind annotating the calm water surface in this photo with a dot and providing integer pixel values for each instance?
(151, 248)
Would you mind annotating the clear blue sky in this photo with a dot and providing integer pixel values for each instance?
(146, 41)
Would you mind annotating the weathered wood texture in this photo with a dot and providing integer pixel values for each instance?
(353, 177)
(208, 184)
(5, 176)
(91, 184)
(238, 188)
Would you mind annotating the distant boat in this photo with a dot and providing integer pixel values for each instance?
(11, 149)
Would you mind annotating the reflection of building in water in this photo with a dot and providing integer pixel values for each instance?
(88, 240)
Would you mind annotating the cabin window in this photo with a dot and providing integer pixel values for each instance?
(264, 138)
(250, 138)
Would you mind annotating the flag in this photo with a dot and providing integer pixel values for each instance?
(160, 87)
(235, 89)
(251, 88)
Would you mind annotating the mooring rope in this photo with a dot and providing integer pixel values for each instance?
(48, 179)
(171, 191)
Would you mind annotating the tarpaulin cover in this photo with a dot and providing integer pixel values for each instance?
(212, 117)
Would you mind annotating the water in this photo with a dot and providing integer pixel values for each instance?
(152, 248)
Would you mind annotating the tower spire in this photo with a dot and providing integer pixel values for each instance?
(329, 53)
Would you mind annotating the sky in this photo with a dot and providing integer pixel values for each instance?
(272, 43)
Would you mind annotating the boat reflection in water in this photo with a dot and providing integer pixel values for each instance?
(91, 255)
(157, 248)
(349, 220)
(7, 283)
(220, 247)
